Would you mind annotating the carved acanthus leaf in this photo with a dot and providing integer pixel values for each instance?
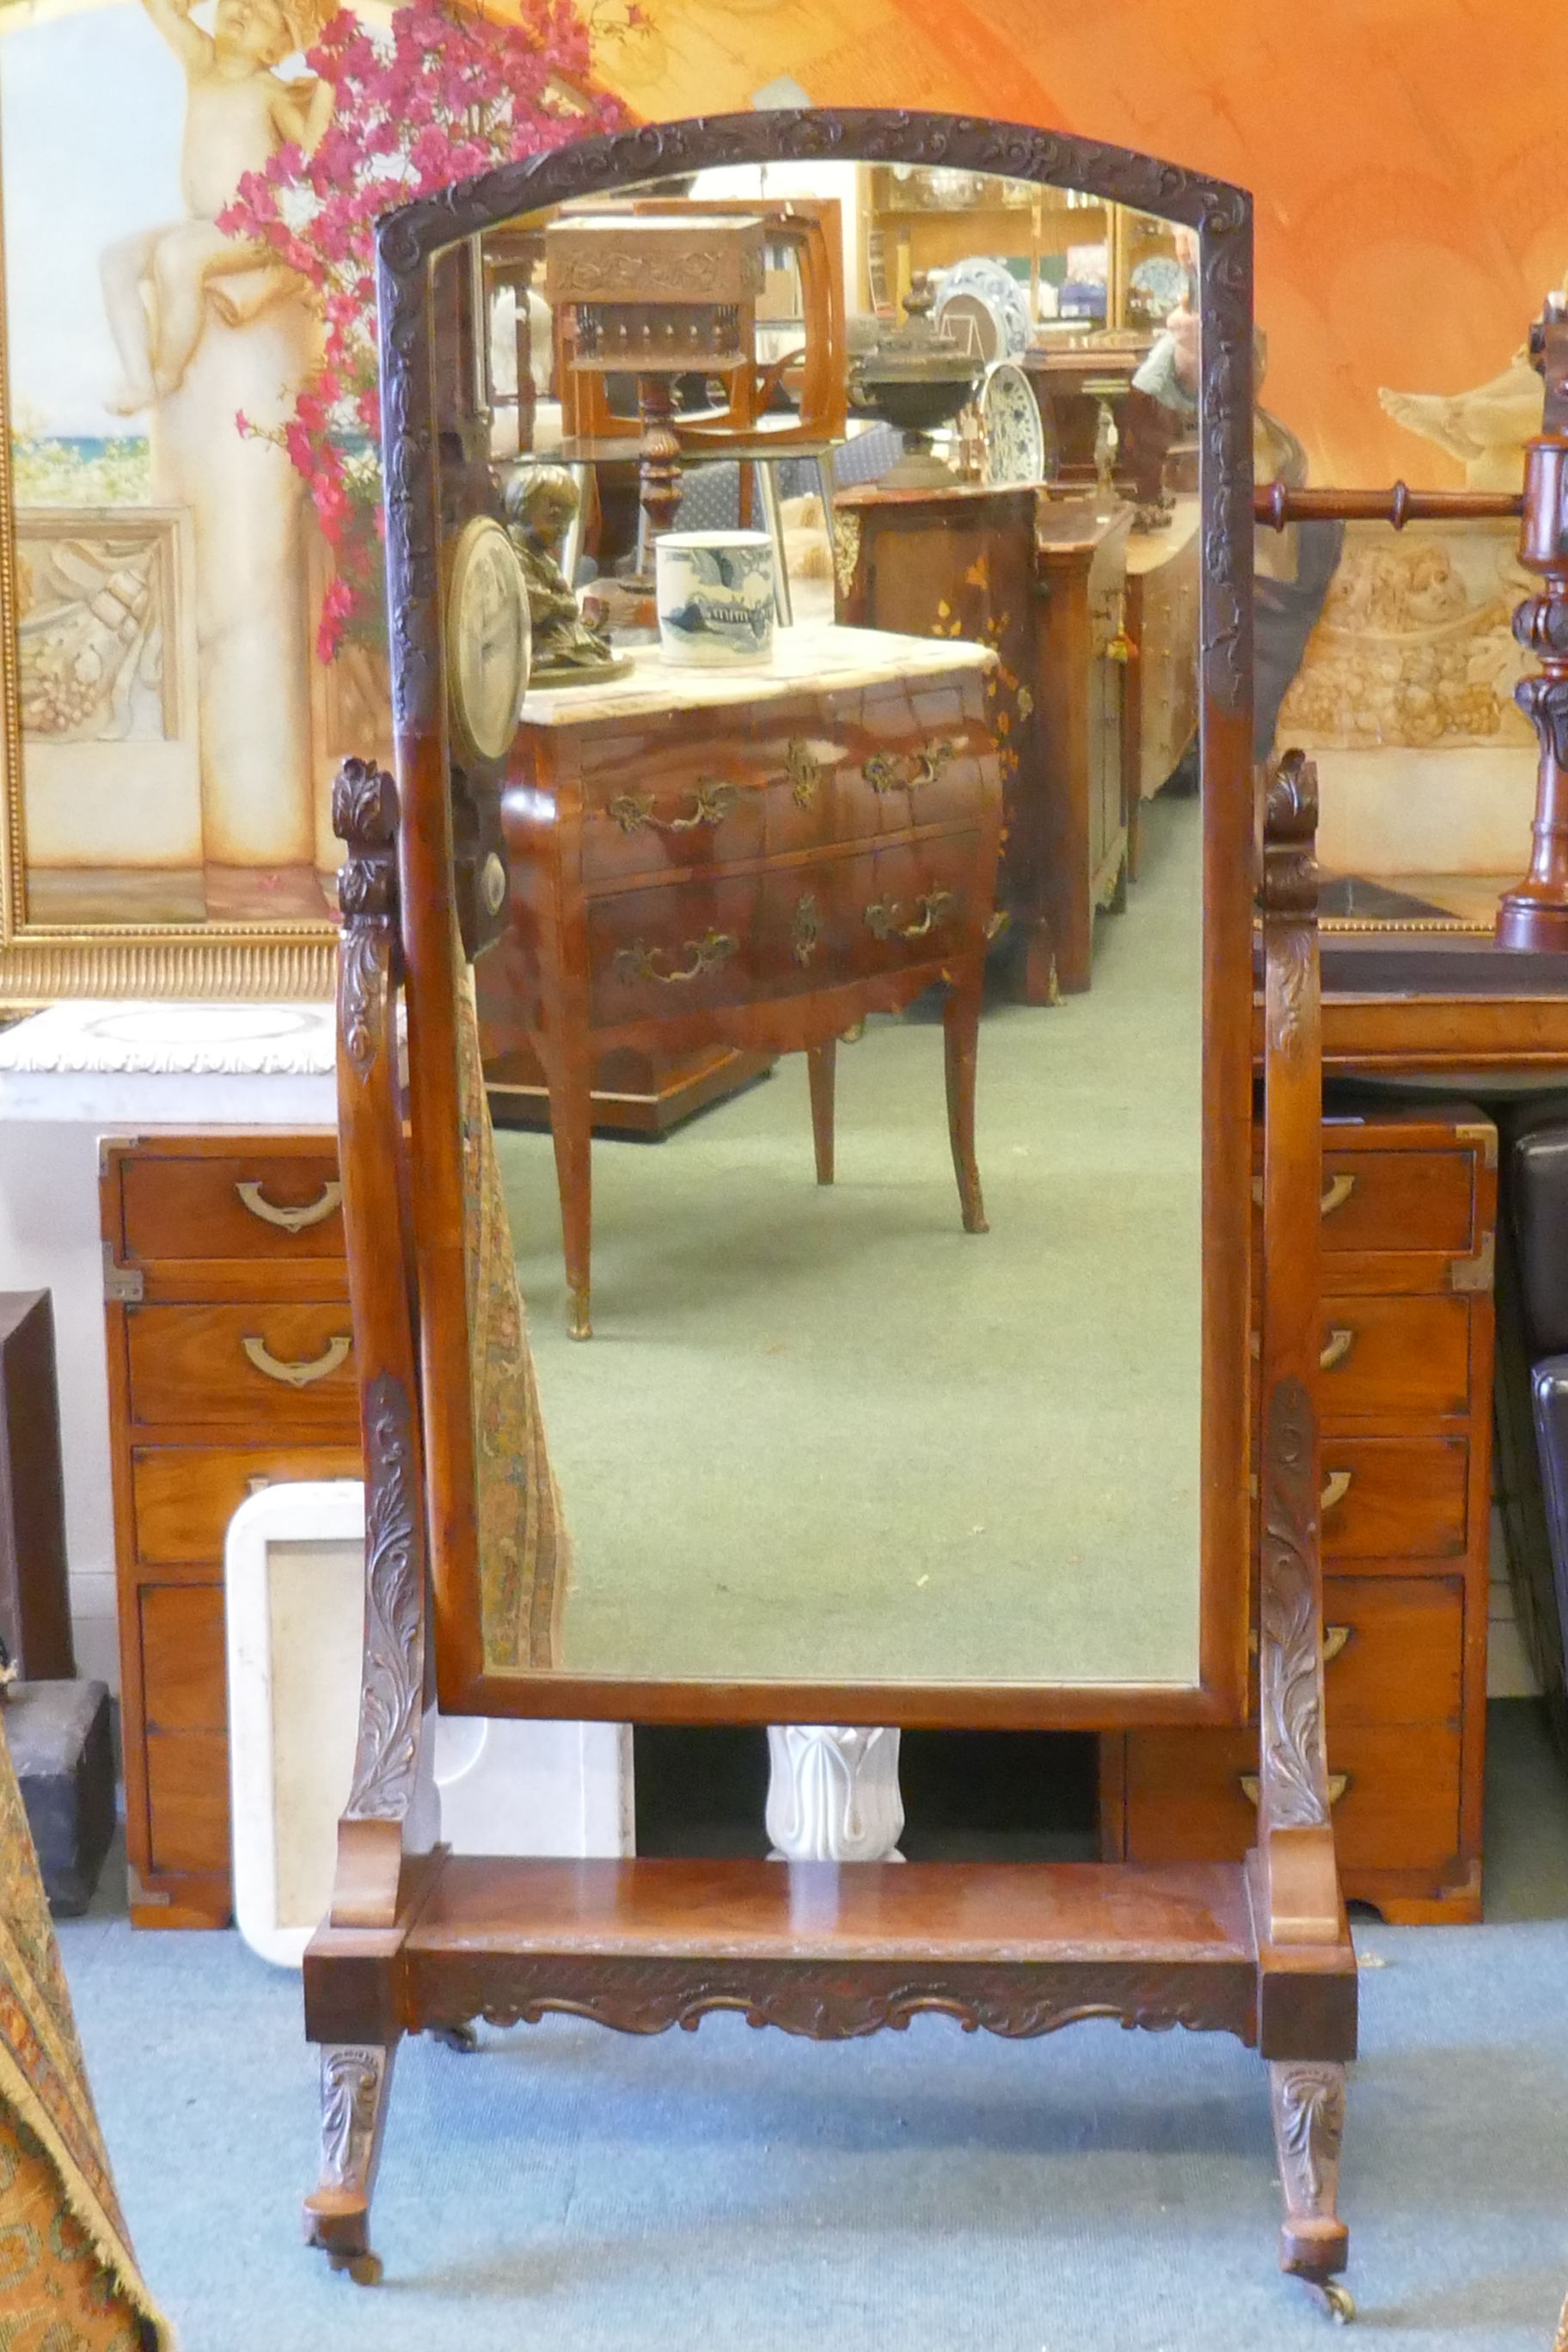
(351, 2082)
(1310, 2121)
(1289, 1666)
(391, 1688)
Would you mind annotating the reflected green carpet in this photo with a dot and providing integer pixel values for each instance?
(824, 1431)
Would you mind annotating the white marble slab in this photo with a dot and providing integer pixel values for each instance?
(817, 653)
(293, 1610)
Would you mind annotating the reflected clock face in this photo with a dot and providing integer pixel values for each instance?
(488, 642)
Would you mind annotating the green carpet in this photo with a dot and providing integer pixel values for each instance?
(824, 1432)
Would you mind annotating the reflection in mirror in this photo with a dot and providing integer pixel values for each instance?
(856, 909)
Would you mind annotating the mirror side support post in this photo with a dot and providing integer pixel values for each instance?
(1307, 1987)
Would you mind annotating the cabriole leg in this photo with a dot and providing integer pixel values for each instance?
(356, 2082)
(820, 1070)
(1308, 2097)
(961, 1033)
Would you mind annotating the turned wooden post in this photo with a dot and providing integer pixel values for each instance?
(1534, 913)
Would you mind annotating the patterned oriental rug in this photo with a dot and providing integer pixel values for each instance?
(67, 2275)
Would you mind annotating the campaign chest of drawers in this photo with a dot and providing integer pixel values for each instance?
(1409, 1209)
(230, 1365)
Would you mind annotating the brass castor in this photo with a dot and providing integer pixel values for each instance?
(363, 2269)
(460, 2038)
(1333, 2299)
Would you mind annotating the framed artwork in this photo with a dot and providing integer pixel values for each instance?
(192, 617)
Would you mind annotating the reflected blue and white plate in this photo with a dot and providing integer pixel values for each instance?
(983, 293)
(1010, 415)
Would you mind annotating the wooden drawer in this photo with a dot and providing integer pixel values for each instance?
(1407, 1498)
(664, 806)
(1394, 1357)
(262, 1208)
(187, 1793)
(740, 937)
(190, 1364)
(1397, 1200)
(1399, 1809)
(186, 1495)
(184, 1671)
(1394, 1646)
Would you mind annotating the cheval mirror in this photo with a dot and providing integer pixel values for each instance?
(916, 1382)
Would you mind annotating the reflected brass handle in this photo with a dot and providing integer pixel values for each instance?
(1338, 1783)
(1336, 1347)
(1334, 1639)
(641, 962)
(297, 1376)
(881, 916)
(711, 804)
(1335, 1491)
(1334, 1197)
(881, 771)
(292, 1221)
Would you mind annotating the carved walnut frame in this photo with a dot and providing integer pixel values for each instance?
(445, 821)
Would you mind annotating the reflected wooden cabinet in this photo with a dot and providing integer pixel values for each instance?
(756, 859)
(1409, 1214)
(230, 1366)
(1041, 581)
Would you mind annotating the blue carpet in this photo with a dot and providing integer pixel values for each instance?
(929, 2192)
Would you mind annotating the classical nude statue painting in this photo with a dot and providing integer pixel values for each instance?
(188, 193)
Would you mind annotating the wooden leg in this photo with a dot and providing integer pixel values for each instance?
(356, 2080)
(572, 1132)
(1307, 2097)
(820, 1063)
(1036, 966)
(1117, 902)
(961, 1037)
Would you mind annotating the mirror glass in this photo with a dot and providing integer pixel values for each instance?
(858, 509)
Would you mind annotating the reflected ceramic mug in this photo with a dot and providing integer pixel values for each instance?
(715, 597)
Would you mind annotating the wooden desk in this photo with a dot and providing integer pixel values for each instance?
(757, 858)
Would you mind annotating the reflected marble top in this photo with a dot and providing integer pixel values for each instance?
(817, 653)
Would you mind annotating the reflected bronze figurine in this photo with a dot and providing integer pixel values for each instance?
(540, 502)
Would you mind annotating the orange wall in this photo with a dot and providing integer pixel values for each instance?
(1405, 156)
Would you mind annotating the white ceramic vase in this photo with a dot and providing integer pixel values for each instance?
(715, 597)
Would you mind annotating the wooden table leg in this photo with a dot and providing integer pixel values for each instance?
(569, 1080)
(821, 1068)
(961, 1037)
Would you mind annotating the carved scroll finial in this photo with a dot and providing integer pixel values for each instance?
(1289, 831)
(365, 818)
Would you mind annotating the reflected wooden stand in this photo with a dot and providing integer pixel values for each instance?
(428, 1942)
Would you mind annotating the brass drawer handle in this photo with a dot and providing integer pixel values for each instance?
(292, 1220)
(297, 1376)
(881, 771)
(711, 804)
(1336, 1489)
(1337, 1346)
(1338, 1783)
(1334, 1196)
(1334, 1639)
(640, 962)
(881, 916)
